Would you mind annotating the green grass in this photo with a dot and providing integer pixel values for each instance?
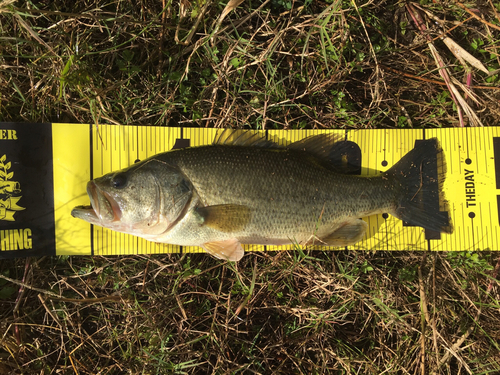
(271, 64)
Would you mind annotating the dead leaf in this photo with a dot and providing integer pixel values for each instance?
(229, 7)
(183, 8)
(32, 32)
(4, 5)
(463, 55)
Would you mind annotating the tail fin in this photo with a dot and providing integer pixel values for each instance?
(419, 177)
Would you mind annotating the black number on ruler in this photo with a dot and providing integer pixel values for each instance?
(434, 201)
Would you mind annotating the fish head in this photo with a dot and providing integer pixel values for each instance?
(145, 199)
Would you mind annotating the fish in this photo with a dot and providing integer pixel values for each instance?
(244, 189)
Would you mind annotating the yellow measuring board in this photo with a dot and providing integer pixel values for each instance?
(44, 169)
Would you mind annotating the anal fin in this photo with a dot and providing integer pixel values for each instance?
(348, 234)
(228, 249)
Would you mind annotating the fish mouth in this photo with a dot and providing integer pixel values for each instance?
(102, 209)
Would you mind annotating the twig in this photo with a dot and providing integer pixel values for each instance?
(456, 346)
(49, 311)
(476, 16)
(457, 98)
(250, 291)
(103, 16)
(144, 278)
(194, 28)
(497, 15)
(424, 313)
(20, 294)
(90, 300)
(33, 33)
(494, 275)
(377, 68)
(433, 321)
(59, 298)
(433, 80)
(17, 282)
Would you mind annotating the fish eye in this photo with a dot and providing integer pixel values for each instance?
(119, 180)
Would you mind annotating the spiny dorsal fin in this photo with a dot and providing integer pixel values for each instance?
(320, 145)
(240, 137)
(329, 148)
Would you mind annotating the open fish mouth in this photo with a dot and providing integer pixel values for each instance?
(87, 213)
(102, 209)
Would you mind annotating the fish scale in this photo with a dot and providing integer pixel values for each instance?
(286, 189)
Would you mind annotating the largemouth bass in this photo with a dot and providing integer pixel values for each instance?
(250, 191)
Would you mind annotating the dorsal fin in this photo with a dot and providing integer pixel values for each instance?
(240, 137)
(331, 149)
(320, 145)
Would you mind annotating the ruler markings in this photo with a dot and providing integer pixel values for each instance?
(479, 228)
(493, 225)
(137, 146)
(484, 228)
(487, 149)
(125, 138)
(455, 145)
(121, 140)
(467, 230)
(147, 140)
(449, 139)
(384, 145)
(462, 234)
(472, 227)
(112, 155)
(498, 213)
(266, 135)
(478, 137)
(467, 145)
(154, 140)
(91, 170)
(475, 233)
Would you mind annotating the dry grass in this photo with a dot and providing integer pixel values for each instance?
(320, 313)
(267, 64)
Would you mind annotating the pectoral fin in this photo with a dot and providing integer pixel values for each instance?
(225, 217)
(229, 249)
(348, 234)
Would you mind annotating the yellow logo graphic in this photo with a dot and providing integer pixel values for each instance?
(9, 192)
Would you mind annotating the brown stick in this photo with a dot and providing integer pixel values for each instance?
(424, 313)
(432, 80)
(476, 16)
